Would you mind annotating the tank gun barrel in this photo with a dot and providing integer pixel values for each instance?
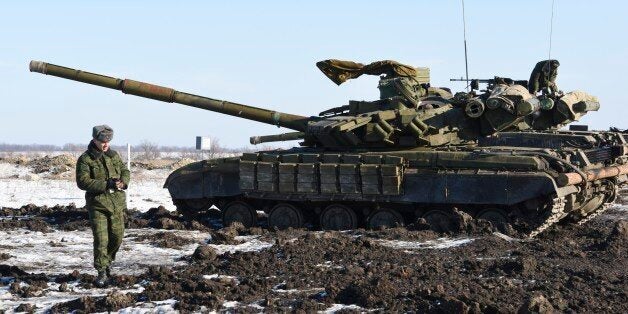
(166, 94)
(292, 136)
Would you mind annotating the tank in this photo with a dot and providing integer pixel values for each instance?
(417, 152)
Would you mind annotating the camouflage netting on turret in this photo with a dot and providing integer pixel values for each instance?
(340, 71)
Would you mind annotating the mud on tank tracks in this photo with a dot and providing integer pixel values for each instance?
(567, 268)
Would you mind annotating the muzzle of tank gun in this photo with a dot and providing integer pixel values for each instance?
(37, 66)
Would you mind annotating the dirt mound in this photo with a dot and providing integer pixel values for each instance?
(204, 253)
(11, 271)
(182, 162)
(80, 305)
(53, 165)
(35, 288)
(228, 234)
(617, 240)
(43, 218)
(30, 210)
(161, 218)
(165, 239)
(34, 224)
(25, 307)
(536, 304)
(161, 163)
(69, 218)
(20, 275)
(111, 302)
(24, 285)
(15, 160)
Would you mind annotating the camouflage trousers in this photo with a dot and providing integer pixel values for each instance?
(108, 231)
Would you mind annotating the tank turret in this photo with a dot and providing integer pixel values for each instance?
(409, 114)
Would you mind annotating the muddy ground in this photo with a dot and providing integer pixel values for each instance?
(568, 268)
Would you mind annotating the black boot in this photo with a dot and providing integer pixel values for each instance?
(101, 280)
(110, 279)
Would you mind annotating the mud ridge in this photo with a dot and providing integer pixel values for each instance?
(70, 218)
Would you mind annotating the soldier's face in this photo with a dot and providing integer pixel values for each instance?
(103, 146)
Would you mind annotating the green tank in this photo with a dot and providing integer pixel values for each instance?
(417, 152)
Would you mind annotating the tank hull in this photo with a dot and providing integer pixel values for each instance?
(511, 181)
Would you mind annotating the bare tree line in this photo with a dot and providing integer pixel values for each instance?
(148, 149)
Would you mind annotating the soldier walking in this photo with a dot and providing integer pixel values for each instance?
(101, 173)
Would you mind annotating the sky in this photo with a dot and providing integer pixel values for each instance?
(263, 53)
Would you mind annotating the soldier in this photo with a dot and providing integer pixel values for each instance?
(544, 77)
(102, 174)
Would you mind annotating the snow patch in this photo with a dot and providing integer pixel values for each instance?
(54, 296)
(166, 306)
(293, 291)
(343, 307)
(145, 191)
(230, 304)
(8, 171)
(250, 244)
(440, 243)
(62, 252)
(328, 264)
(506, 237)
(221, 277)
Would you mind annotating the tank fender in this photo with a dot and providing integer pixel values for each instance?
(205, 179)
(503, 187)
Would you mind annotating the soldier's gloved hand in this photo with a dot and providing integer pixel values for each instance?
(120, 185)
(111, 184)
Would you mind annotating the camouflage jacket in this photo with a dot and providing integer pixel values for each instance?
(93, 169)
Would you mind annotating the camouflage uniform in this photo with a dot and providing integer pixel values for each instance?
(544, 77)
(106, 206)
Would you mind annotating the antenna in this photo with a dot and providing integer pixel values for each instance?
(464, 32)
(549, 53)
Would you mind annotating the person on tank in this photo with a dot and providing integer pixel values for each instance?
(101, 173)
(543, 77)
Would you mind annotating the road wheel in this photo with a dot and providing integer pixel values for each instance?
(198, 203)
(494, 215)
(239, 211)
(384, 217)
(190, 208)
(338, 217)
(439, 220)
(284, 216)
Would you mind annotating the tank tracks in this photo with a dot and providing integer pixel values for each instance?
(554, 215)
(556, 212)
(596, 213)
